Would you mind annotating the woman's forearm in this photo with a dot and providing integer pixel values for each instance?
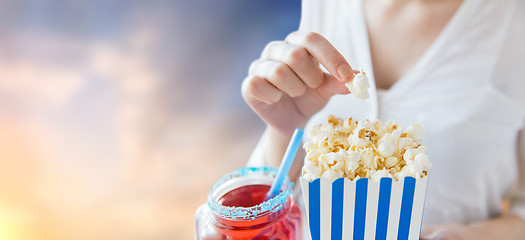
(276, 144)
(504, 227)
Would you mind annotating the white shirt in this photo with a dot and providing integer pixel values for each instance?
(467, 91)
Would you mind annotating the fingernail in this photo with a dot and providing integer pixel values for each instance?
(345, 71)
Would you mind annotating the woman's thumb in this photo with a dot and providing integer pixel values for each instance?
(331, 86)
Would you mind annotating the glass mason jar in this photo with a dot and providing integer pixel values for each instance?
(276, 218)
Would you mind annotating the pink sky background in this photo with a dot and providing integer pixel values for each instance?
(116, 117)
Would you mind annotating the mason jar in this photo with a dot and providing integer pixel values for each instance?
(236, 208)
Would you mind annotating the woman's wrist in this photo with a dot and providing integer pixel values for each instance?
(504, 227)
(276, 144)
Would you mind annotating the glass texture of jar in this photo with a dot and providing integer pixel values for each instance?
(237, 209)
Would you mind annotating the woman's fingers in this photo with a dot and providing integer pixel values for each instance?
(323, 51)
(298, 59)
(258, 88)
(279, 75)
(292, 67)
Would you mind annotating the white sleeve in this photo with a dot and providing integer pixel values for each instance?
(307, 15)
(513, 83)
(313, 15)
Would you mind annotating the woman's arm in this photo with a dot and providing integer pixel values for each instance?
(286, 87)
(276, 146)
(507, 227)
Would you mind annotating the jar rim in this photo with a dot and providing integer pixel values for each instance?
(274, 204)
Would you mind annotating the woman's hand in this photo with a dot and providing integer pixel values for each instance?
(448, 232)
(507, 227)
(286, 86)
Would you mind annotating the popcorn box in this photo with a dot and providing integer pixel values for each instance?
(364, 209)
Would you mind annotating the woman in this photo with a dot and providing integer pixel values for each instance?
(456, 67)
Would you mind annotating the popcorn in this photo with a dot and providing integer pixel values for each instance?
(310, 177)
(364, 149)
(352, 162)
(329, 160)
(376, 177)
(391, 161)
(359, 86)
(386, 149)
(415, 131)
(332, 174)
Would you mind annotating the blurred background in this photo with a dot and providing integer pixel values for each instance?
(116, 117)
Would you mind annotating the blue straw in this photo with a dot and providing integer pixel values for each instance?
(286, 163)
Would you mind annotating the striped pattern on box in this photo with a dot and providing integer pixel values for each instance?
(363, 209)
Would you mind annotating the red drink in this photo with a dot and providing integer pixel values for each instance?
(247, 196)
(242, 213)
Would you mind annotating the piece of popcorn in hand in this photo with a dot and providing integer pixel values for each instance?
(359, 86)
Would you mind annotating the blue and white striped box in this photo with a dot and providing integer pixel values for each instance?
(363, 209)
